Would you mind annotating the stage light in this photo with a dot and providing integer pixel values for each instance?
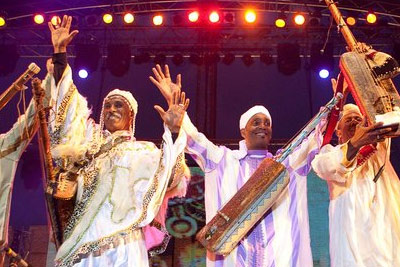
(266, 58)
(2, 21)
(196, 59)
(229, 17)
(38, 19)
(324, 73)
(55, 20)
(228, 58)
(250, 16)
(211, 58)
(141, 58)
(247, 59)
(288, 60)
(280, 23)
(158, 20)
(107, 18)
(118, 59)
(213, 17)
(299, 19)
(371, 17)
(160, 59)
(193, 16)
(128, 18)
(177, 59)
(92, 20)
(351, 21)
(83, 73)
(87, 57)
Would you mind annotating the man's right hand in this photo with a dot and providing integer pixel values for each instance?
(368, 135)
(173, 117)
(60, 35)
(165, 84)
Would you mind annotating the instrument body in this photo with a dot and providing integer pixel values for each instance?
(368, 74)
(367, 90)
(242, 212)
(238, 216)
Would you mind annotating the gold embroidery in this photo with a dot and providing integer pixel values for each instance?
(108, 241)
(62, 108)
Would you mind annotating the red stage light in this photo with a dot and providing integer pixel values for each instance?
(214, 17)
(193, 16)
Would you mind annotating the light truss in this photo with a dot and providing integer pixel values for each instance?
(34, 40)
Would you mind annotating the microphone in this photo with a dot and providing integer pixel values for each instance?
(18, 85)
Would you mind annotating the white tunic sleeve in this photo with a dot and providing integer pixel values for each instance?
(328, 164)
(204, 152)
(69, 123)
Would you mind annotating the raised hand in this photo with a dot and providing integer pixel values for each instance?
(61, 35)
(165, 84)
(174, 115)
(368, 135)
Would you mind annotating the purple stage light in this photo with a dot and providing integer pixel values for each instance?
(324, 73)
(83, 73)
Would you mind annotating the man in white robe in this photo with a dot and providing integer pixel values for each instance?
(282, 237)
(12, 145)
(364, 215)
(123, 183)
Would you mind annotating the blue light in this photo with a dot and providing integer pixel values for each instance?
(324, 73)
(83, 73)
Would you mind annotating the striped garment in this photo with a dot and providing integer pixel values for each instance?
(280, 239)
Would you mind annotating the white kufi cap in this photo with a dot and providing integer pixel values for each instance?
(251, 112)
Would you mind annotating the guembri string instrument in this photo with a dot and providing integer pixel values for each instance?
(60, 209)
(18, 85)
(368, 75)
(237, 217)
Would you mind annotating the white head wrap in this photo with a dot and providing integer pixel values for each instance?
(250, 113)
(349, 108)
(132, 103)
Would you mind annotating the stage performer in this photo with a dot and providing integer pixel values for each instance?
(123, 183)
(364, 209)
(12, 145)
(280, 239)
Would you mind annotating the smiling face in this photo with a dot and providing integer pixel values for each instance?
(258, 132)
(347, 126)
(117, 114)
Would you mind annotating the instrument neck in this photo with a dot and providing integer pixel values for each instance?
(344, 29)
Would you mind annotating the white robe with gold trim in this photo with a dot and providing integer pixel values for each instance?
(119, 192)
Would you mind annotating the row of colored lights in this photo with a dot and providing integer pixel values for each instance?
(249, 16)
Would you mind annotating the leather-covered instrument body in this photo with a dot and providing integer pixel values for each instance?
(368, 74)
